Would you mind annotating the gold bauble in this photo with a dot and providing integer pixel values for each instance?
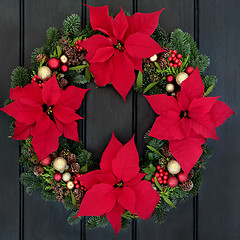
(181, 77)
(66, 177)
(153, 58)
(169, 87)
(59, 164)
(64, 59)
(70, 185)
(173, 167)
(44, 73)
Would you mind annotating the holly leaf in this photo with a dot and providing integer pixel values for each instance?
(149, 171)
(151, 85)
(167, 200)
(139, 79)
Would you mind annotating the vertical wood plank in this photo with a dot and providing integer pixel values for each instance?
(107, 112)
(46, 220)
(219, 198)
(177, 14)
(9, 41)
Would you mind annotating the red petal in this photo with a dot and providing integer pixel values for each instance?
(187, 151)
(65, 114)
(43, 123)
(46, 142)
(123, 75)
(102, 54)
(120, 25)
(72, 97)
(100, 199)
(102, 72)
(146, 199)
(168, 127)
(89, 179)
(125, 165)
(51, 91)
(144, 23)
(70, 131)
(109, 154)
(137, 62)
(193, 86)
(161, 103)
(135, 180)
(140, 45)
(220, 112)
(106, 178)
(202, 105)
(22, 131)
(100, 19)
(183, 101)
(114, 217)
(126, 198)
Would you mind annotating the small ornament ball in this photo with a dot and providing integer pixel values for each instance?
(44, 73)
(66, 177)
(170, 88)
(182, 177)
(46, 161)
(70, 185)
(170, 78)
(57, 176)
(63, 59)
(172, 182)
(173, 167)
(181, 77)
(59, 164)
(64, 68)
(189, 70)
(54, 63)
(153, 58)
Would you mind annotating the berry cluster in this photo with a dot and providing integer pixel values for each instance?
(161, 175)
(77, 183)
(78, 45)
(174, 59)
(37, 79)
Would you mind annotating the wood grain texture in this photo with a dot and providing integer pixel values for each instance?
(9, 185)
(177, 14)
(219, 197)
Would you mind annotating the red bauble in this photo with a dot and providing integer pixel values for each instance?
(174, 51)
(46, 161)
(189, 70)
(64, 68)
(182, 177)
(54, 63)
(170, 78)
(57, 176)
(172, 182)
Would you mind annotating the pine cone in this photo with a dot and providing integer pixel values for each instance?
(191, 174)
(74, 168)
(74, 57)
(78, 194)
(41, 56)
(64, 153)
(165, 54)
(71, 158)
(166, 152)
(38, 170)
(163, 163)
(187, 186)
(62, 83)
(162, 63)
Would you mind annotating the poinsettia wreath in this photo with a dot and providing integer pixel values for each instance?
(126, 52)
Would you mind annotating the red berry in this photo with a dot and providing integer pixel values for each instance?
(157, 175)
(174, 59)
(179, 56)
(166, 173)
(77, 186)
(189, 70)
(170, 59)
(161, 170)
(57, 176)
(78, 175)
(175, 65)
(160, 182)
(182, 177)
(177, 61)
(161, 174)
(153, 180)
(64, 68)
(170, 64)
(80, 48)
(82, 188)
(75, 181)
(158, 167)
(159, 179)
(79, 41)
(34, 79)
(179, 64)
(46, 161)
(170, 78)
(172, 182)
(174, 51)
(164, 181)
(165, 177)
(173, 55)
(76, 43)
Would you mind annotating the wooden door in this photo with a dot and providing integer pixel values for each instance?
(215, 213)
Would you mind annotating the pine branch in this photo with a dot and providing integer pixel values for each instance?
(20, 77)
(71, 26)
(52, 37)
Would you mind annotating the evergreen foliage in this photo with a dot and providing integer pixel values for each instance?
(20, 77)
(71, 26)
(34, 63)
(52, 37)
(94, 222)
(197, 180)
(160, 36)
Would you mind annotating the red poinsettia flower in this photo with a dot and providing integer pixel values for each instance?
(118, 186)
(45, 114)
(114, 56)
(188, 120)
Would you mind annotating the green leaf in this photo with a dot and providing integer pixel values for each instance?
(154, 150)
(84, 169)
(87, 74)
(157, 184)
(80, 67)
(167, 200)
(208, 91)
(73, 199)
(59, 51)
(139, 79)
(151, 85)
(149, 171)
(157, 65)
